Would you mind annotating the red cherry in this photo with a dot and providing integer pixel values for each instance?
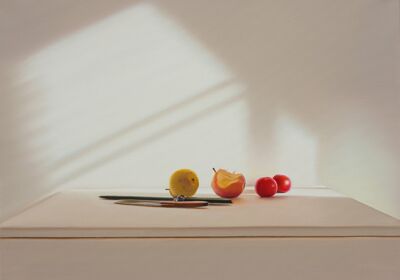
(266, 187)
(283, 182)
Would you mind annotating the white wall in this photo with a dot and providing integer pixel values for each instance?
(121, 93)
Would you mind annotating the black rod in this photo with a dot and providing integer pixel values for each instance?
(211, 200)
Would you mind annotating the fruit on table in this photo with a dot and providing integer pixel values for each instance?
(266, 187)
(227, 184)
(283, 182)
(183, 182)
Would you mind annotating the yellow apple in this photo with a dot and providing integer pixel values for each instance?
(183, 182)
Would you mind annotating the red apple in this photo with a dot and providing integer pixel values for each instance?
(266, 187)
(227, 184)
(283, 182)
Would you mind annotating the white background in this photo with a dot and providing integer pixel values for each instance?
(111, 94)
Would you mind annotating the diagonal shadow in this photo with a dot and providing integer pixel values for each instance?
(138, 124)
(148, 140)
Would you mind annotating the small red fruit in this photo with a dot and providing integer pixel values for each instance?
(283, 182)
(266, 187)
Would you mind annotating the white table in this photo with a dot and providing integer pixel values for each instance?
(312, 232)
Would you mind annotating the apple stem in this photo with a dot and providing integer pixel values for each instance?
(215, 171)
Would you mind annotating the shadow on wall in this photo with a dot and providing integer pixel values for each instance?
(328, 65)
(161, 133)
(36, 139)
(20, 177)
(320, 87)
(29, 26)
(109, 139)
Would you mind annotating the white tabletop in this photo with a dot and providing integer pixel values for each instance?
(302, 212)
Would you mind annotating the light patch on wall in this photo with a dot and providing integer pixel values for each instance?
(298, 150)
(131, 98)
(360, 159)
